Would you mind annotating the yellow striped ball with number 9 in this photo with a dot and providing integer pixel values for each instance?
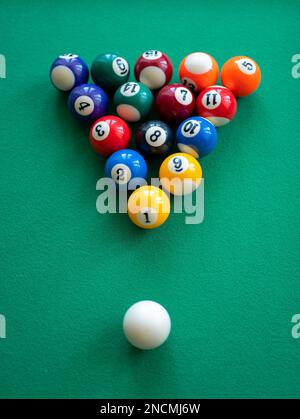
(180, 174)
(148, 207)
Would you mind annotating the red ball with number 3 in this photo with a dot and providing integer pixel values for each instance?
(174, 103)
(109, 134)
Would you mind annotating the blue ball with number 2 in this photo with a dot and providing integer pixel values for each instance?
(196, 136)
(124, 165)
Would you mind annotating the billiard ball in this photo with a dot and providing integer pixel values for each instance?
(68, 71)
(110, 70)
(146, 325)
(87, 102)
(180, 174)
(198, 70)
(241, 75)
(218, 104)
(109, 134)
(174, 103)
(133, 101)
(154, 69)
(196, 136)
(154, 138)
(125, 165)
(148, 207)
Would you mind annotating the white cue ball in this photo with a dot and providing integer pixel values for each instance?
(146, 324)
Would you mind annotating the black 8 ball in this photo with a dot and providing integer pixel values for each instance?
(154, 138)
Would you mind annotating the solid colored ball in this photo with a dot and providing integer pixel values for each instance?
(146, 325)
(148, 207)
(133, 101)
(241, 75)
(68, 71)
(88, 102)
(110, 70)
(174, 103)
(180, 174)
(154, 138)
(198, 70)
(125, 165)
(109, 134)
(154, 69)
(196, 136)
(218, 104)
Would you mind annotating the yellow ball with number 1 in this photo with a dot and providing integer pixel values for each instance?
(148, 207)
(180, 174)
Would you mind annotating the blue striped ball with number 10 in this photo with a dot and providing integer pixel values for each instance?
(196, 136)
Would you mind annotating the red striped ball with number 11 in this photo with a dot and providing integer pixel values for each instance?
(217, 104)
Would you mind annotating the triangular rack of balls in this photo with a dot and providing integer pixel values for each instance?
(196, 136)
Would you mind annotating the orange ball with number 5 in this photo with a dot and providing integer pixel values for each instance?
(241, 75)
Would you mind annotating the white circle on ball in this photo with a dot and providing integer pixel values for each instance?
(218, 121)
(188, 186)
(189, 83)
(198, 63)
(120, 66)
(147, 216)
(63, 78)
(188, 149)
(152, 54)
(146, 325)
(211, 99)
(155, 136)
(101, 131)
(84, 105)
(178, 164)
(128, 112)
(130, 89)
(153, 77)
(68, 56)
(246, 65)
(121, 173)
(183, 96)
(190, 128)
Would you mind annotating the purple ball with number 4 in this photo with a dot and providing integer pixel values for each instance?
(88, 102)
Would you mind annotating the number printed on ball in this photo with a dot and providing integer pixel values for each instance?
(246, 66)
(84, 105)
(189, 83)
(183, 96)
(178, 164)
(152, 54)
(147, 216)
(101, 131)
(190, 128)
(155, 136)
(120, 66)
(211, 100)
(130, 89)
(121, 174)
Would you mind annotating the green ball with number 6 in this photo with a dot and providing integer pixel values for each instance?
(110, 71)
(133, 101)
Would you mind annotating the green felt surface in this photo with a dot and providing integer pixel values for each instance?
(230, 284)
